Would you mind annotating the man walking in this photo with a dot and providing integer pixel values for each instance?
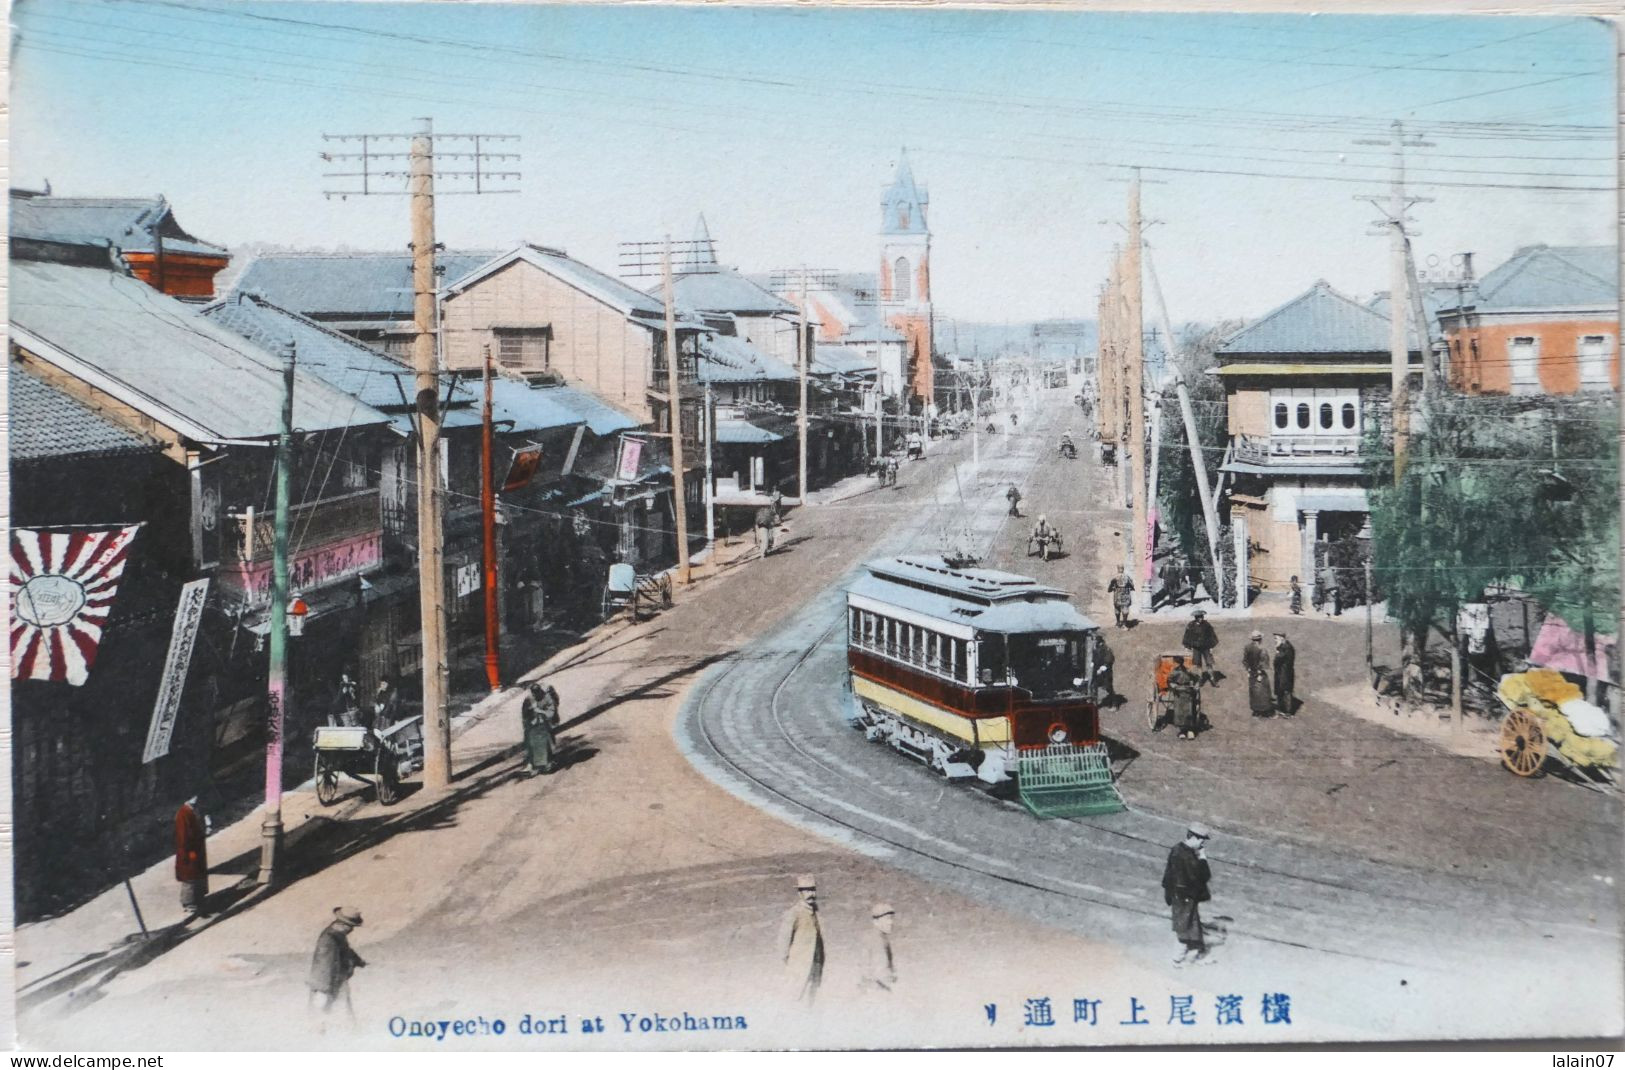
(1121, 589)
(1285, 675)
(767, 522)
(1330, 594)
(880, 969)
(539, 716)
(1013, 496)
(1295, 597)
(192, 858)
(801, 942)
(1200, 639)
(334, 962)
(1259, 694)
(1184, 887)
(1172, 575)
(1104, 661)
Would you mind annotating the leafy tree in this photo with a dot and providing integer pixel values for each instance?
(1495, 492)
(1180, 507)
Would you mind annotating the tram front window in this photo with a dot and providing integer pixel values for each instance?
(1046, 665)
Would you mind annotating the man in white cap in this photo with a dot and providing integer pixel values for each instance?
(1184, 886)
(334, 962)
(880, 971)
(801, 941)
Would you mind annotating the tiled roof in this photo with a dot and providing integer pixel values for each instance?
(602, 418)
(726, 290)
(127, 222)
(630, 301)
(46, 424)
(842, 361)
(736, 431)
(1542, 276)
(158, 355)
(1320, 320)
(733, 360)
(346, 285)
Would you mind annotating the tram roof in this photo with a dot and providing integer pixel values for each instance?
(979, 597)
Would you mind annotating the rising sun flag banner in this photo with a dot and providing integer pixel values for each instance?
(62, 588)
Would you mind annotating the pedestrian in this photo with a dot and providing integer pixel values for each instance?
(1184, 887)
(1121, 588)
(891, 471)
(192, 858)
(1285, 675)
(1104, 660)
(1200, 639)
(880, 968)
(1171, 574)
(348, 703)
(539, 716)
(1295, 597)
(1331, 594)
(1259, 694)
(767, 522)
(801, 941)
(386, 704)
(1013, 496)
(1182, 686)
(334, 961)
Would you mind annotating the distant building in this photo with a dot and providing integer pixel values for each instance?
(1302, 385)
(1544, 322)
(157, 249)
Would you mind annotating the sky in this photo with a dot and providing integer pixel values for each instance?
(783, 126)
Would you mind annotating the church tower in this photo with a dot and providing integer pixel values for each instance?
(905, 275)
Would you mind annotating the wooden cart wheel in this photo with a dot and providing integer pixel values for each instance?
(389, 785)
(327, 781)
(1523, 743)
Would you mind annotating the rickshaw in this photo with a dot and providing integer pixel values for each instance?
(1046, 547)
(1157, 710)
(1069, 449)
(625, 589)
(360, 752)
(916, 447)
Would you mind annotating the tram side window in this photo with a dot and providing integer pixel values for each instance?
(854, 625)
(991, 659)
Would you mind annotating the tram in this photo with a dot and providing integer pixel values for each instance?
(980, 674)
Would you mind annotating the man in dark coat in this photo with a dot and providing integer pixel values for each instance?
(1285, 675)
(334, 962)
(1013, 496)
(1184, 886)
(1104, 661)
(539, 716)
(1182, 687)
(192, 857)
(1200, 639)
(1257, 663)
(1121, 589)
(1172, 579)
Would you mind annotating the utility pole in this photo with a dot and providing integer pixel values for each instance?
(710, 482)
(1134, 311)
(674, 412)
(1398, 346)
(801, 414)
(488, 519)
(420, 178)
(276, 677)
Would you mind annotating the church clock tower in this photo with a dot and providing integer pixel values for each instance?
(905, 275)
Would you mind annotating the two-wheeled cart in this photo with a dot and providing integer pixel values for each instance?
(380, 758)
(1157, 709)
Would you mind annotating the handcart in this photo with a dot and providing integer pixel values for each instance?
(385, 756)
(1529, 740)
(1157, 710)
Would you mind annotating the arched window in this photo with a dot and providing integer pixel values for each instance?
(1325, 416)
(900, 279)
(1280, 416)
(1303, 416)
(1348, 415)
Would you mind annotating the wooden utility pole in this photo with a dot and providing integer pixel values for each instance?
(376, 177)
(710, 418)
(488, 525)
(276, 676)
(674, 412)
(1133, 307)
(431, 530)
(801, 414)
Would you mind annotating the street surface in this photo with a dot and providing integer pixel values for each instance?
(1392, 889)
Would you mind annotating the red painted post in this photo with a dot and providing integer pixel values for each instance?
(488, 512)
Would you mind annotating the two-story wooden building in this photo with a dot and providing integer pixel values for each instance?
(1303, 384)
(1544, 322)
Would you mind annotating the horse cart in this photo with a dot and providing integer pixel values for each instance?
(1547, 724)
(359, 752)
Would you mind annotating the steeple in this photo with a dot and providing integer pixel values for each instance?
(705, 250)
(903, 205)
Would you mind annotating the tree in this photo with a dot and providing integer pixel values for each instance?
(1496, 492)
(1180, 508)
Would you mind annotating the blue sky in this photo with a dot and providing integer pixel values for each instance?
(783, 126)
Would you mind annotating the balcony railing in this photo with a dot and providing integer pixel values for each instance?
(1297, 449)
(250, 534)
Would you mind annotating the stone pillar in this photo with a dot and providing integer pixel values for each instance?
(1238, 524)
(1306, 568)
